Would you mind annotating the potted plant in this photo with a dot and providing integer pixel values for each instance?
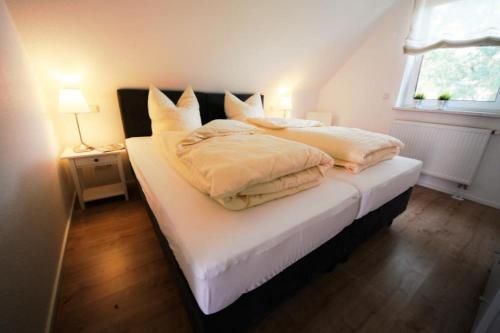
(419, 97)
(443, 100)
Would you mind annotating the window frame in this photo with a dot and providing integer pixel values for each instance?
(409, 84)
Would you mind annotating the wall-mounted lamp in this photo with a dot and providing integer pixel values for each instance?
(286, 104)
(72, 101)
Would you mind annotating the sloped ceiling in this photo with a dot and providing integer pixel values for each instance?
(212, 45)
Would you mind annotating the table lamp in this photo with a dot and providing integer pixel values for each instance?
(286, 104)
(72, 101)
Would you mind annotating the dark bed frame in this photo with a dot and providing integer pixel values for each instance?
(254, 305)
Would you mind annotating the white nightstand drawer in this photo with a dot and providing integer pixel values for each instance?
(96, 160)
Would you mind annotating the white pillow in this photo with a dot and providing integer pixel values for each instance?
(236, 109)
(166, 116)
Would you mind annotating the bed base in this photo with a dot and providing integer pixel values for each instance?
(254, 305)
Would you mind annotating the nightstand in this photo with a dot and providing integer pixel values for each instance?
(95, 158)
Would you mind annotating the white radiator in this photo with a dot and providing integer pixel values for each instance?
(448, 152)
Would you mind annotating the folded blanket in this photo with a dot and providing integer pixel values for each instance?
(239, 167)
(281, 123)
(352, 148)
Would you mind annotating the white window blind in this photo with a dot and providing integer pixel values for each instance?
(453, 23)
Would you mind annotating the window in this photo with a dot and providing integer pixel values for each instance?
(454, 49)
(470, 75)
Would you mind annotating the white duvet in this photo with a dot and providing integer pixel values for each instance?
(351, 148)
(239, 167)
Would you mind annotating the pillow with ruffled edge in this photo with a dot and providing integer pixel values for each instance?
(166, 116)
(236, 109)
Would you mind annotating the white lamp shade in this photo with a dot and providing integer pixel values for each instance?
(72, 101)
(286, 102)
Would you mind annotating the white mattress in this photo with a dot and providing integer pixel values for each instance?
(381, 182)
(224, 253)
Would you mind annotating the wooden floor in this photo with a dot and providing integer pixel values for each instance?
(424, 274)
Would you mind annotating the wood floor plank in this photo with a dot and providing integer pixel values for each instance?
(424, 274)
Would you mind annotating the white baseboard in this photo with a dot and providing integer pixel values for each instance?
(482, 201)
(55, 288)
(465, 195)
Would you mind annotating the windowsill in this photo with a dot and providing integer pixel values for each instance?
(449, 111)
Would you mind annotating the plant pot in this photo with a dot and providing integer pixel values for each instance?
(418, 103)
(442, 104)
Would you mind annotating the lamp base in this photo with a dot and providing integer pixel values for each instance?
(82, 148)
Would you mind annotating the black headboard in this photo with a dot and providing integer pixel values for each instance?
(134, 108)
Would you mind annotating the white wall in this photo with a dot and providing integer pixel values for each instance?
(34, 201)
(355, 96)
(214, 45)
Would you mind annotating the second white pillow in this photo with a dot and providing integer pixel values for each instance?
(166, 116)
(236, 109)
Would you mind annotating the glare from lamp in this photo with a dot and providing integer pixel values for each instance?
(286, 104)
(66, 78)
(73, 101)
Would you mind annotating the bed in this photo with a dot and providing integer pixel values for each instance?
(233, 267)
(225, 253)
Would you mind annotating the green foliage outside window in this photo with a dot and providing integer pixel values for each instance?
(467, 74)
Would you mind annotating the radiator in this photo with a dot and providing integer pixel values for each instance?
(448, 152)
